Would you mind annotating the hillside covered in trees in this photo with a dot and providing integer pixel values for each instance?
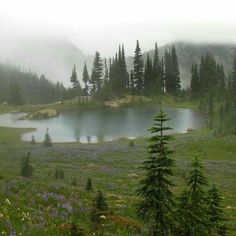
(19, 87)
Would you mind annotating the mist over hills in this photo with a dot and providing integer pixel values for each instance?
(55, 58)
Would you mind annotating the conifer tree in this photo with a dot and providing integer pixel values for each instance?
(132, 89)
(74, 182)
(47, 140)
(33, 140)
(157, 201)
(89, 186)
(156, 72)
(76, 88)
(100, 209)
(56, 174)
(15, 96)
(97, 74)
(148, 77)
(138, 70)
(192, 211)
(215, 212)
(61, 174)
(172, 77)
(194, 82)
(26, 168)
(86, 80)
(73, 78)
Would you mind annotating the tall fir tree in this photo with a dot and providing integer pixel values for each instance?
(194, 86)
(138, 70)
(97, 74)
(86, 80)
(192, 211)
(215, 212)
(157, 199)
(149, 84)
(26, 168)
(157, 86)
(172, 76)
(47, 140)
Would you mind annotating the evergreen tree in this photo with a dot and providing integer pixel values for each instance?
(155, 191)
(192, 211)
(61, 174)
(14, 95)
(100, 209)
(33, 140)
(194, 82)
(172, 77)
(56, 174)
(157, 72)
(138, 70)
(73, 78)
(132, 85)
(215, 212)
(76, 88)
(86, 80)
(119, 77)
(26, 168)
(89, 186)
(97, 74)
(148, 77)
(47, 140)
(74, 182)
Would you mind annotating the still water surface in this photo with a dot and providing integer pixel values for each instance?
(103, 125)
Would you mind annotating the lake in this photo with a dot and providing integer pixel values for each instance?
(91, 126)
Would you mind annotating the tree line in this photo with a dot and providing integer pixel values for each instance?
(109, 79)
(19, 87)
(216, 93)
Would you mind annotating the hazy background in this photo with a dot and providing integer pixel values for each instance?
(49, 36)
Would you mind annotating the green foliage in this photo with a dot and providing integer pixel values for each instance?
(47, 140)
(74, 182)
(97, 72)
(26, 168)
(192, 210)
(157, 201)
(33, 140)
(86, 80)
(131, 143)
(100, 209)
(172, 77)
(89, 186)
(138, 70)
(215, 212)
(59, 174)
(33, 89)
(15, 95)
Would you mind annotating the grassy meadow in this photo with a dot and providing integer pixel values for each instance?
(44, 205)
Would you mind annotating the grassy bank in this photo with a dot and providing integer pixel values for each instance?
(113, 167)
(131, 101)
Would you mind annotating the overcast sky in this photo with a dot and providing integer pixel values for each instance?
(103, 24)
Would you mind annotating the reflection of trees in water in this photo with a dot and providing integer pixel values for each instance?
(77, 134)
(88, 139)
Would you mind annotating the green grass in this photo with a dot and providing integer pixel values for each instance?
(113, 167)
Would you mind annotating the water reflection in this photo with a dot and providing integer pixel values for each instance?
(103, 125)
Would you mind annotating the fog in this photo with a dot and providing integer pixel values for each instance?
(33, 34)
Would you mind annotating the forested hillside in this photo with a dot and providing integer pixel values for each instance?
(28, 86)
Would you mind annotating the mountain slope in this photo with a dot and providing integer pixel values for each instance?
(52, 57)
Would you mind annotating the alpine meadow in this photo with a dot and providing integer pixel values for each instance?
(117, 118)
